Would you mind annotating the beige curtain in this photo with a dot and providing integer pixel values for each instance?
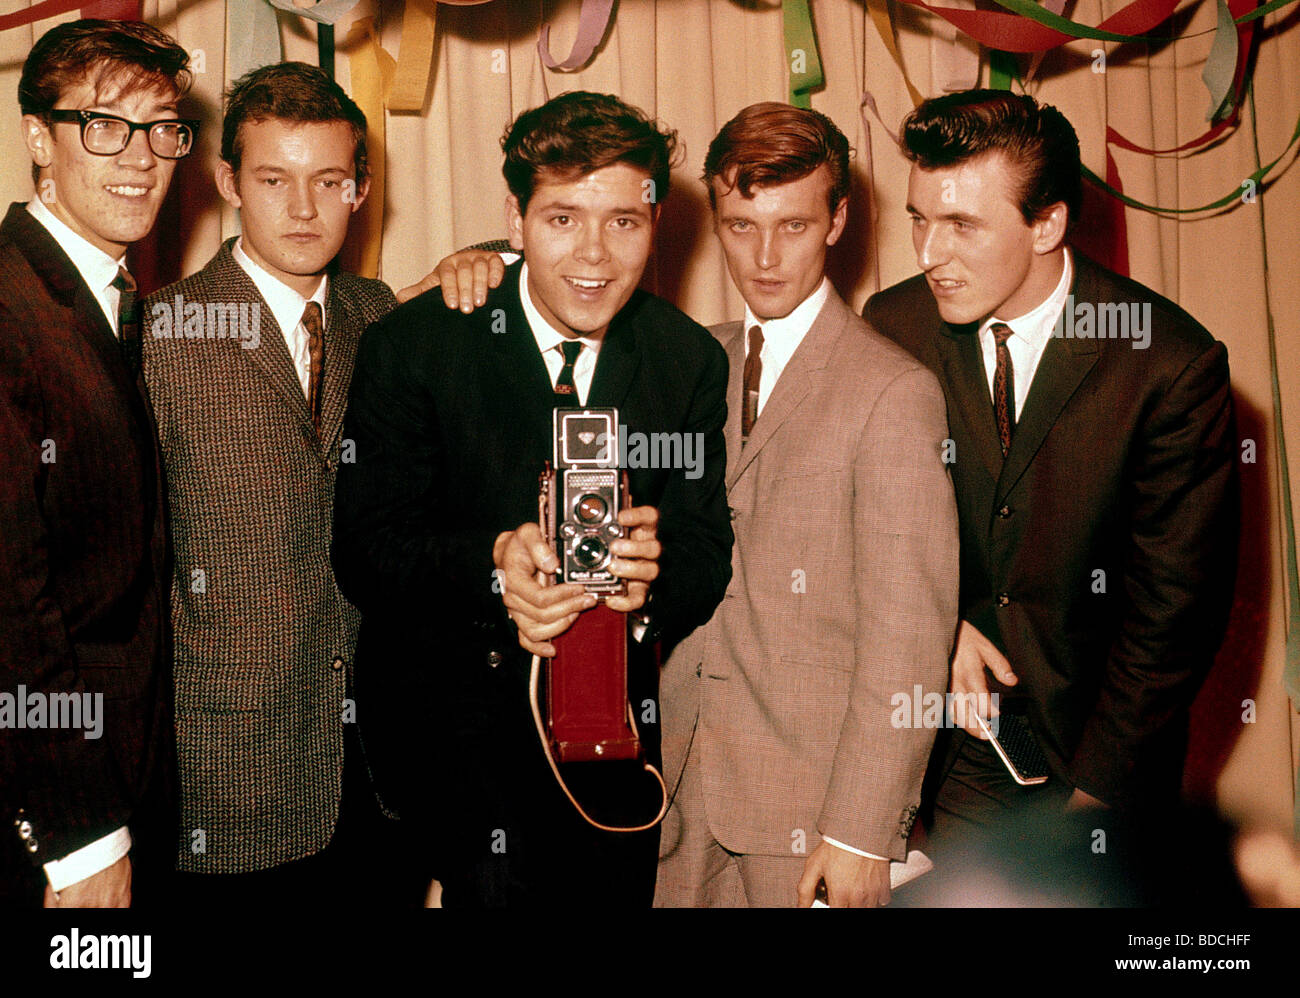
(694, 63)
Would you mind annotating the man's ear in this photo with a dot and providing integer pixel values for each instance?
(514, 224)
(227, 183)
(363, 189)
(1050, 228)
(36, 134)
(838, 220)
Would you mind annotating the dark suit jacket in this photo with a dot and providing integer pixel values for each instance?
(451, 415)
(82, 557)
(263, 637)
(1100, 555)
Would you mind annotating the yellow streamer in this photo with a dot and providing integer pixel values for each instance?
(373, 71)
(414, 57)
(884, 22)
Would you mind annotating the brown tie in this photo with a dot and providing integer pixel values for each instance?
(313, 322)
(566, 392)
(1004, 386)
(753, 375)
(128, 320)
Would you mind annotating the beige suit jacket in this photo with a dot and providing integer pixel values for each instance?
(843, 599)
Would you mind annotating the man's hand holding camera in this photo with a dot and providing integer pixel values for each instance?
(542, 609)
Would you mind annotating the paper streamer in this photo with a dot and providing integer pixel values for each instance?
(1056, 7)
(252, 38)
(372, 73)
(324, 12)
(593, 21)
(112, 10)
(955, 56)
(802, 57)
(884, 22)
(1221, 64)
(38, 12)
(1033, 29)
(414, 57)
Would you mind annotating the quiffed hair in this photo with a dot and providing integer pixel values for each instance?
(770, 143)
(290, 91)
(578, 133)
(1037, 140)
(112, 56)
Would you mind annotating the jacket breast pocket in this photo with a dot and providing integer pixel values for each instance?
(228, 687)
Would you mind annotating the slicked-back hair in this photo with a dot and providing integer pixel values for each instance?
(769, 143)
(1036, 139)
(293, 92)
(111, 56)
(578, 133)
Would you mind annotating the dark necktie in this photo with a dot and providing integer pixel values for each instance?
(313, 322)
(566, 392)
(1004, 386)
(753, 375)
(128, 320)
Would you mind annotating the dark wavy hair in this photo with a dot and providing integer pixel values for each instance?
(1036, 138)
(771, 143)
(112, 56)
(290, 91)
(580, 132)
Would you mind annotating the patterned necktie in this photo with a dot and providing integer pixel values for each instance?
(753, 375)
(313, 321)
(1004, 386)
(128, 320)
(566, 392)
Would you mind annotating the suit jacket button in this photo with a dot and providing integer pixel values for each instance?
(1003, 599)
(698, 669)
(33, 845)
(494, 658)
(1005, 512)
(337, 664)
(731, 510)
(24, 829)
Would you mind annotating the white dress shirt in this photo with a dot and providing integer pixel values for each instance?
(98, 270)
(286, 306)
(549, 340)
(1030, 334)
(781, 337)
(96, 267)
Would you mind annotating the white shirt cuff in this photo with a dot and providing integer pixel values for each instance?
(88, 860)
(856, 852)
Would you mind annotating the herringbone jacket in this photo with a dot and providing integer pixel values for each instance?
(263, 637)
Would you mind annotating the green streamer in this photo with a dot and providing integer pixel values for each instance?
(1003, 68)
(1031, 10)
(801, 52)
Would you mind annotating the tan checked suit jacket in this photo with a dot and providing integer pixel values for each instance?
(263, 637)
(843, 595)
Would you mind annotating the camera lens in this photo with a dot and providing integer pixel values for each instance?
(590, 552)
(591, 508)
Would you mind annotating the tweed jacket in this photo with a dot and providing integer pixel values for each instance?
(263, 637)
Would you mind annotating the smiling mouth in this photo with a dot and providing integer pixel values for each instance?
(945, 284)
(127, 190)
(586, 284)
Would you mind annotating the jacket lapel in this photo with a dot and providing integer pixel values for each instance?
(229, 283)
(1065, 363)
(517, 364)
(813, 354)
(617, 363)
(65, 285)
(341, 334)
(963, 369)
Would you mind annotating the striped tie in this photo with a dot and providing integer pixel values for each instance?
(1004, 386)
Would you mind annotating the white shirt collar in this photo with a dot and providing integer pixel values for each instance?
(96, 267)
(284, 302)
(1036, 325)
(781, 337)
(546, 335)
